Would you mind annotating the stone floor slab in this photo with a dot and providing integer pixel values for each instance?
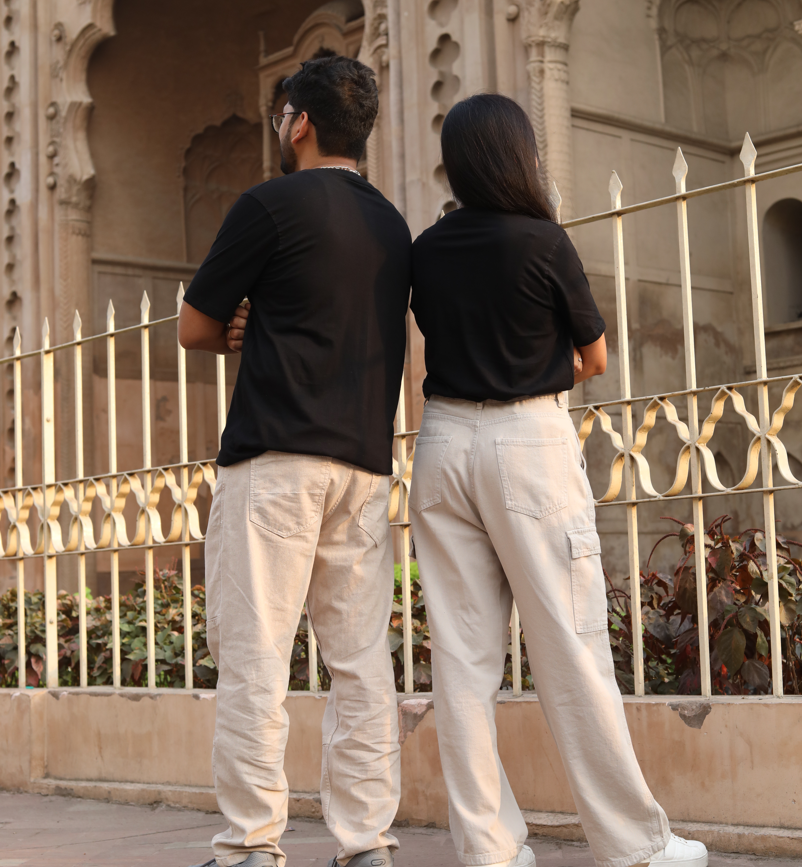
(53, 831)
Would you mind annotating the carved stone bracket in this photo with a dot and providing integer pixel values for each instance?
(75, 36)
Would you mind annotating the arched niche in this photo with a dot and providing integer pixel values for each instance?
(337, 26)
(678, 88)
(783, 76)
(731, 105)
(782, 257)
(220, 164)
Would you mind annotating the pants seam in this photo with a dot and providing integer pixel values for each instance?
(342, 494)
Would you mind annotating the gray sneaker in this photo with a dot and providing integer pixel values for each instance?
(255, 859)
(372, 858)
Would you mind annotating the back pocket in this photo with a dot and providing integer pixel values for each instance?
(534, 474)
(587, 581)
(427, 471)
(287, 491)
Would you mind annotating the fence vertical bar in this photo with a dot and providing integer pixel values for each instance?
(80, 492)
(221, 398)
(406, 577)
(515, 630)
(183, 450)
(48, 494)
(147, 462)
(19, 496)
(680, 172)
(311, 653)
(748, 157)
(111, 382)
(615, 189)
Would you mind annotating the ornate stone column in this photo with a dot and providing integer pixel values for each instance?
(375, 54)
(547, 28)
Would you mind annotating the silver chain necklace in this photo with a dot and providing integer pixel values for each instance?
(346, 168)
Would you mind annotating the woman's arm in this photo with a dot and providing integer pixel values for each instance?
(594, 360)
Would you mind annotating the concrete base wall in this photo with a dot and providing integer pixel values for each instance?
(728, 762)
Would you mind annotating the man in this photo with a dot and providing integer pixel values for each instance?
(300, 510)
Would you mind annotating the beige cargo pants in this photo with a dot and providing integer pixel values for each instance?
(285, 528)
(501, 507)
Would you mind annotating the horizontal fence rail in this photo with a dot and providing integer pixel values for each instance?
(76, 517)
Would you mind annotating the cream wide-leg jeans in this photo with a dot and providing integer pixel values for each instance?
(285, 528)
(502, 508)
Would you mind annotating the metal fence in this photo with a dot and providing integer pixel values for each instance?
(94, 520)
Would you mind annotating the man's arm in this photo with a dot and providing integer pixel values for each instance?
(594, 360)
(196, 330)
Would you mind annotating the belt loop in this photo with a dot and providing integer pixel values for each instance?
(560, 398)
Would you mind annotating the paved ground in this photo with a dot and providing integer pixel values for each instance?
(39, 831)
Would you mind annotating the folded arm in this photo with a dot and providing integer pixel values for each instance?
(196, 330)
(593, 360)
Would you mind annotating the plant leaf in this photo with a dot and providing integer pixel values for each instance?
(762, 646)
(685, 592)
(730, 646)
(749, 618)
(756, 674)
(656, 624)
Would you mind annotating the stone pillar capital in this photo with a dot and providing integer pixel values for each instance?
(548, 23)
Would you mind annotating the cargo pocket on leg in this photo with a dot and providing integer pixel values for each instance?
(587, 581)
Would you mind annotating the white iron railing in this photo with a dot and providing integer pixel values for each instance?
(104, 528)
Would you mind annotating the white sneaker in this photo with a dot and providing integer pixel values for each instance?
(689, 853)
(525, 858)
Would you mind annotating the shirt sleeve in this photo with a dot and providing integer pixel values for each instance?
(244, 245)
(585, 323)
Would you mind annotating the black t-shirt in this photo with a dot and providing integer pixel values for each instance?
(501, 300)
(324, 260)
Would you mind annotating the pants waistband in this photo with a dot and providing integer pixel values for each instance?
(472, 409)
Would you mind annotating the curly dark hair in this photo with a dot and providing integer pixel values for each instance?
(341, 98)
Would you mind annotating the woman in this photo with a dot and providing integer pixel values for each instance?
(501, 505)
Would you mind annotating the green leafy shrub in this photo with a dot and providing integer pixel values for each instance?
(737, 605)
(421, 642)
(169, 638)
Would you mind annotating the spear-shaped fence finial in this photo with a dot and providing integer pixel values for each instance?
(76, 326)
(110, 316)
(748, 156)
(615, 188)
(556, 200)
(680, 171)
(144, 307)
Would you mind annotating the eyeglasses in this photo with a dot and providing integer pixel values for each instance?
(278, 118)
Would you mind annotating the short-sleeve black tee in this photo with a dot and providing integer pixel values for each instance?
(501, 299)
(325, 261)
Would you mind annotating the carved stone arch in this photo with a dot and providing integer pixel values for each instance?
(219, 165)
(339, 26)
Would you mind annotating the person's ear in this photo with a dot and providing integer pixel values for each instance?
(302, 128)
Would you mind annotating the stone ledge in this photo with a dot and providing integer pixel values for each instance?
(303, 805)
(743, 839)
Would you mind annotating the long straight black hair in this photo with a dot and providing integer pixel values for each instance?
(490, 157)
